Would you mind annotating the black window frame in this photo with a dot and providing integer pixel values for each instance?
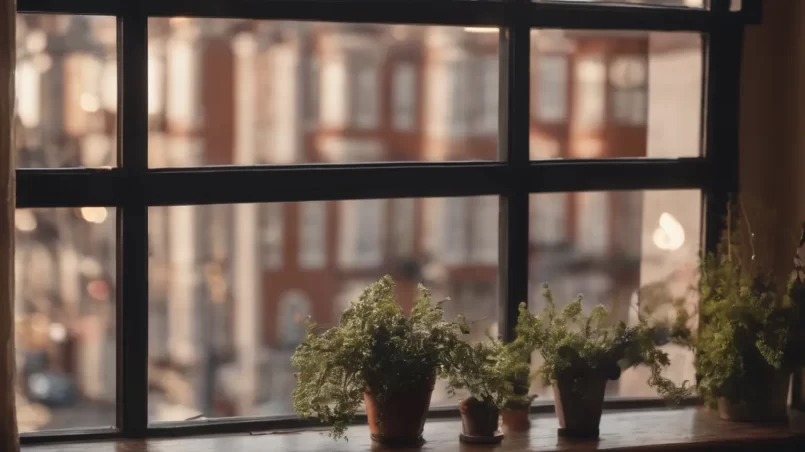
(132, 187)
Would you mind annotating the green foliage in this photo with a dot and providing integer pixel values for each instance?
(376, 347)
(749, 329)
(492, 372)
(577, 347)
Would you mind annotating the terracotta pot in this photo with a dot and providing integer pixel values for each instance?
(579, 407)
(515, 419)
(479, 420)
(401, 419)
(769, 405)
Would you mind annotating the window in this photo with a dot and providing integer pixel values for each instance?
(549, 219)
(272, 235)
(455, 228)
(222, 296)
(593, 222)
(404, 94)
(403, 226)
(312, 97)
(627, 77)
(458, 109)
(489, 96)
(550, 90)
(312, 235)
(483, 245)
(365, 95)
(362, 228)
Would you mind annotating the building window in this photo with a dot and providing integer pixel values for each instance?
(292, 312)
(404, 95)
(549, 218)
(549, 92)
(333, 90)
(271, 235)
(455, 230)
(459, 76)
(403, 226)
(362, 226)
(590, 91)
(313, 92)
(629, 227)
(592, 222)
(484, 243)
(365, 95)
(628, 81)
(312, 235)
(489, 95)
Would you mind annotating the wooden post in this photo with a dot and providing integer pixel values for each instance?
(9, 440)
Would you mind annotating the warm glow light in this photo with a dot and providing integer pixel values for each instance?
(481, 30)
(670, 235)
(95, 215)
(25, 220)
(89, 103)
(36, 41)
(57, 332)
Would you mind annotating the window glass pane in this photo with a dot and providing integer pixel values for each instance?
(66, 85)
(629, 251)
(225, 315)
(242, 92)
(609, 94)
(65, 318)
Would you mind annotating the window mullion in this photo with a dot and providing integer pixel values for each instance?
(132, 224)
(723, 61)
(514, 109)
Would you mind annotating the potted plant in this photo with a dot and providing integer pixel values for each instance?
(516, 367)
(484, 370)
(582, 352)
(379, 356)
(751, 335)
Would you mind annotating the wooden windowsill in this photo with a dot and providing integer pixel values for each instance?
(633, 430)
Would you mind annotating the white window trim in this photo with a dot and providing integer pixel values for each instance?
(590, 91)
(334, 92)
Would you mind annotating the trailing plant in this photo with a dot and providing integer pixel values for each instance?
(374, 347)
(578, 347)
(749, 329)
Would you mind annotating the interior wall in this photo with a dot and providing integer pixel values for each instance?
(772, 132)
(772, 167)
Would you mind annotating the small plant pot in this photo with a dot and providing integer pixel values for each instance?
(400, 420)
(767, 405)
(515, 418)
(579, 407)
(479, 422)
